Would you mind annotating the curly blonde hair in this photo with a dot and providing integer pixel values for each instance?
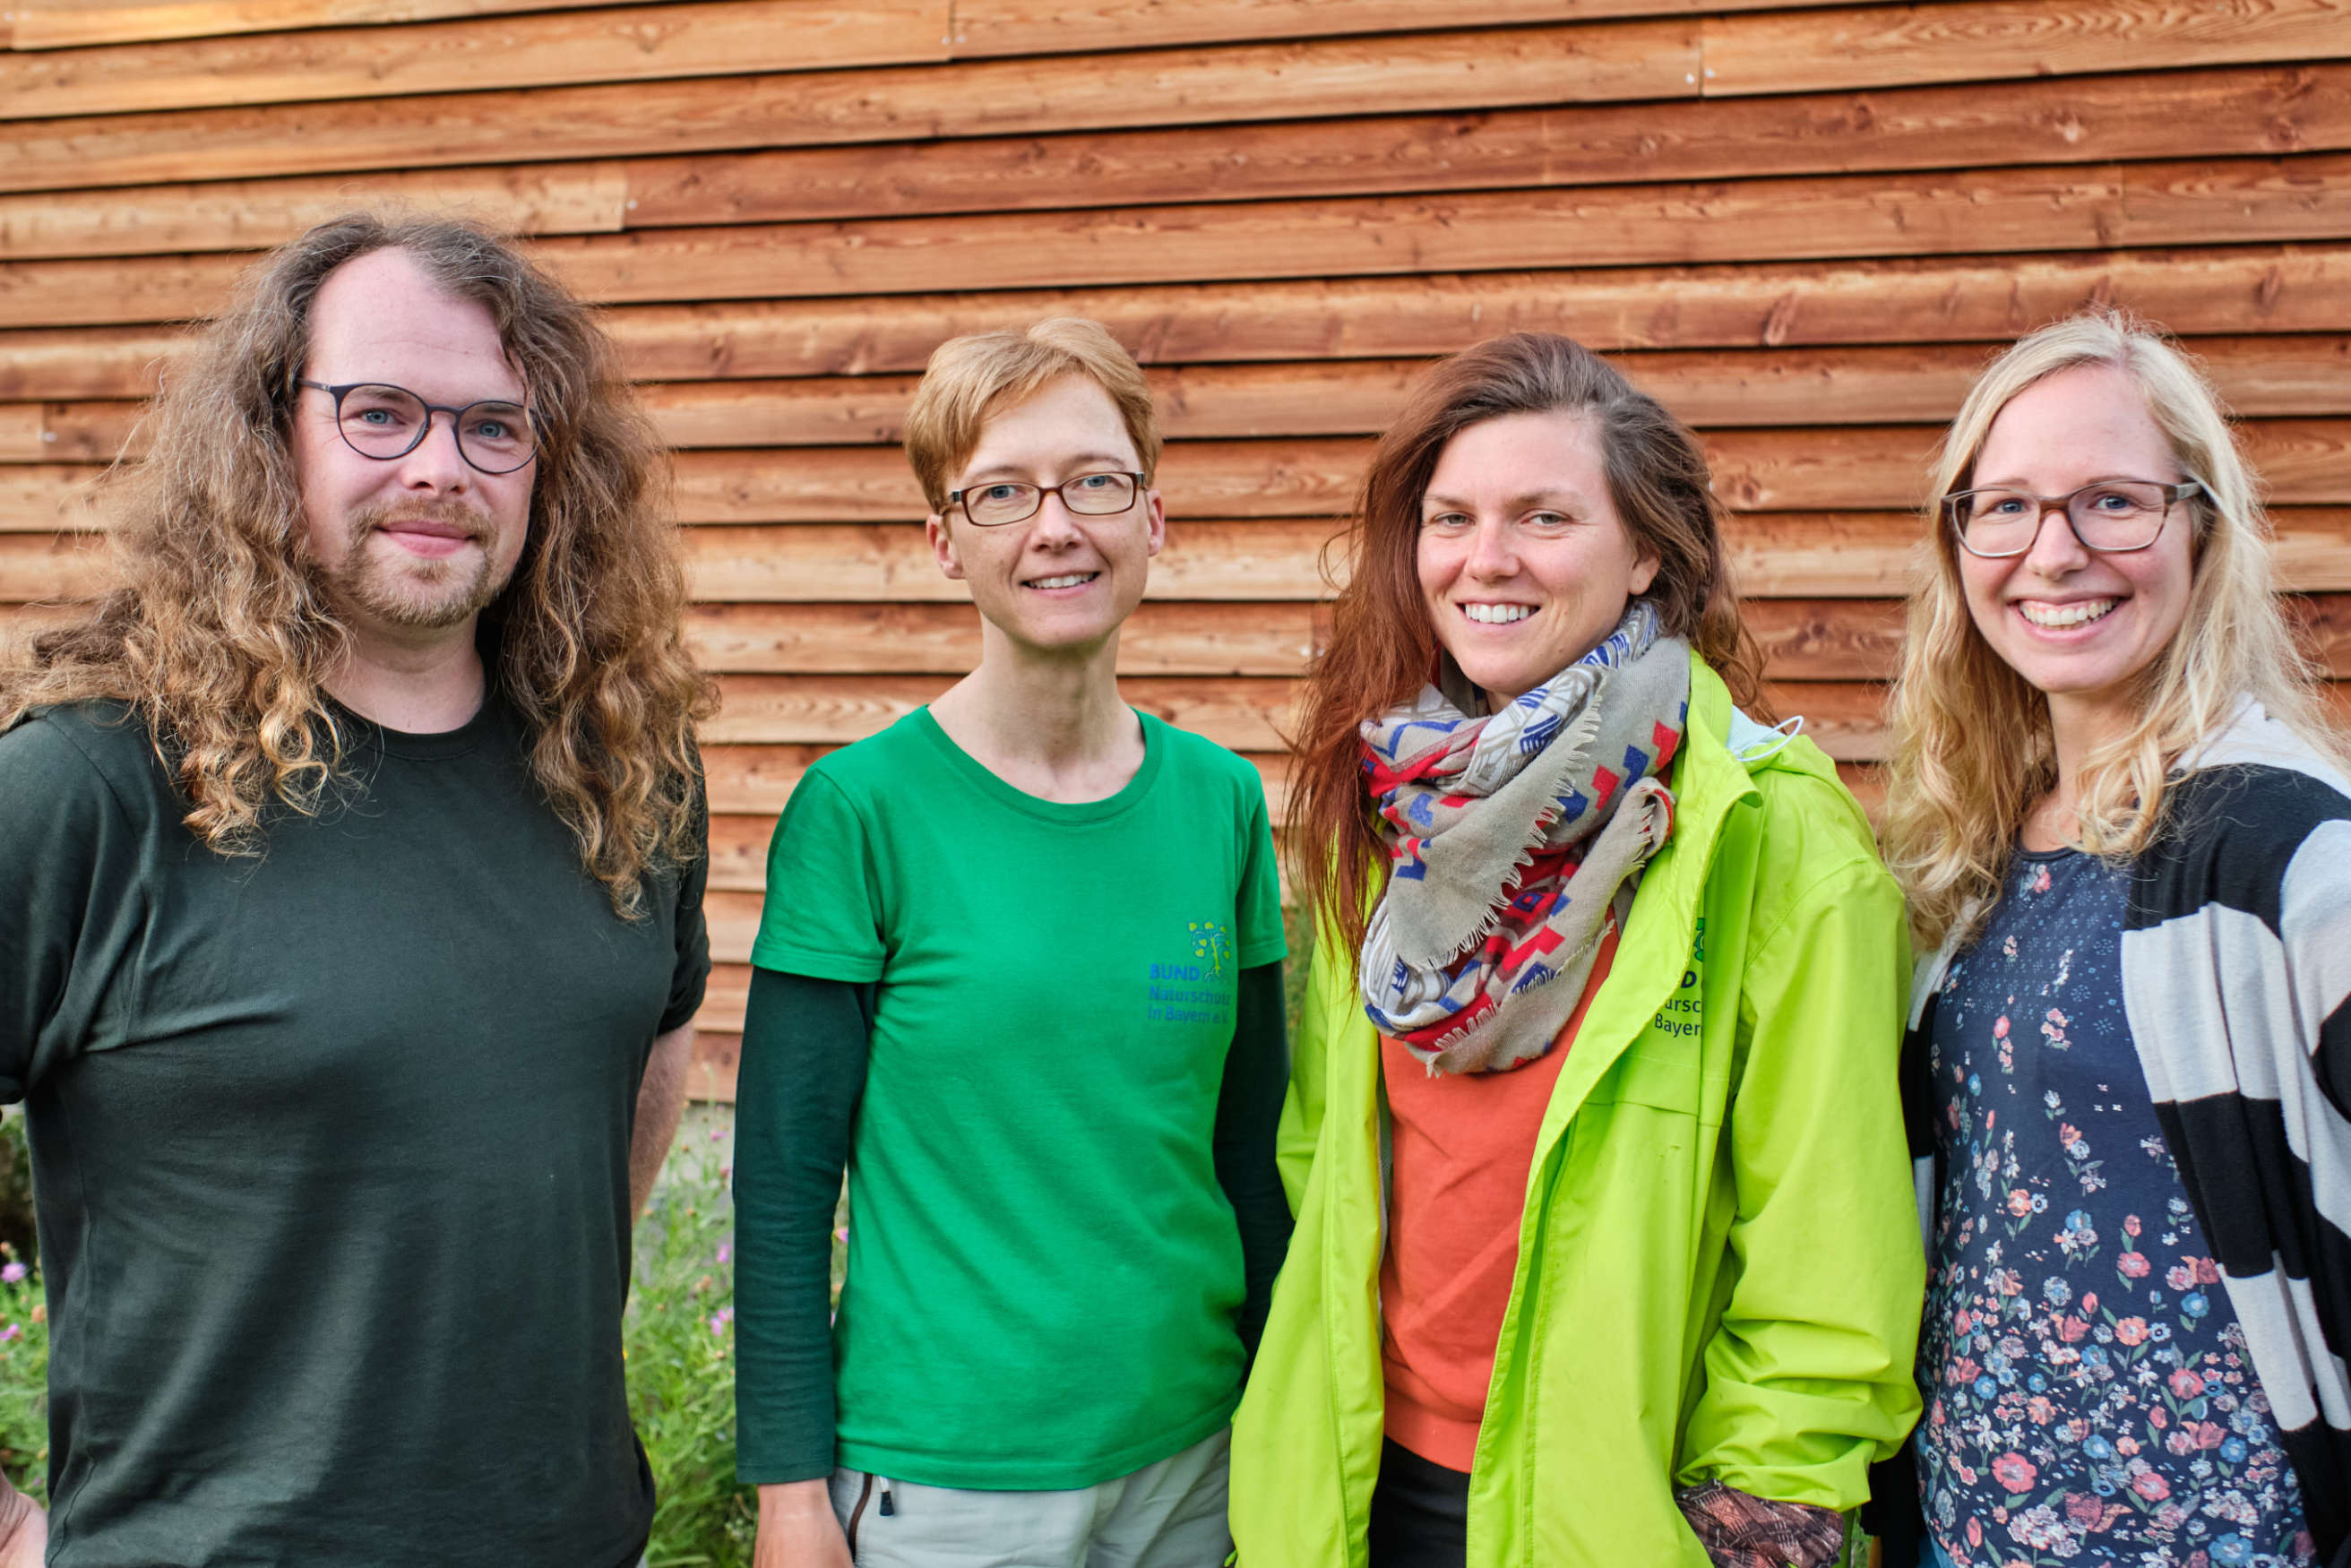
(219, 633)
(1972, 749)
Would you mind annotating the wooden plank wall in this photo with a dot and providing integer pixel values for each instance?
(1804, 226)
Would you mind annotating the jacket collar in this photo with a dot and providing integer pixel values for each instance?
(1654, 946)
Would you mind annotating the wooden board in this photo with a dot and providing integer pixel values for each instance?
(21, 433)
(1934, 300)
(1161, 639)
(61, 23)
(1793, 219)
(49, 497)
(1964, 40)
(2169, 115)
(49, 565)
(1047, 27)
(1245, 714)
(991, 28)
(634, 43)
(251, 215)
(1418, 71)
(1938, 299)
(1843, 719)
(2002, 210)
(2324, 620)
(73, 431)
(2282, 374)
(85, 363)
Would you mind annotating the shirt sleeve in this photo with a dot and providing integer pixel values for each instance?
(68, 859)
(805, 1048)
(2315, 934)
(1257, 908)
(822, 917)
(691, 977)
(1248, 1117)
(1809, 1372)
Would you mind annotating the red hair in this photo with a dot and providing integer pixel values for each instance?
(1383, 646)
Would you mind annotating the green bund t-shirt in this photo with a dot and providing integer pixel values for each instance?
(1042, 1269)
(330, 1149)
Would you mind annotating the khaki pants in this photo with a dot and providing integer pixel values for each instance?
(1167, 1515)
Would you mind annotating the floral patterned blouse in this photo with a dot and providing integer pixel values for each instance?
(2089, 1399)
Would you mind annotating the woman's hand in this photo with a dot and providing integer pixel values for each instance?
(1742, 1532)
(796, 1528)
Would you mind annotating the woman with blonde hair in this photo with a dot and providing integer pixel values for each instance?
(2124, 829)
(1605, 1253)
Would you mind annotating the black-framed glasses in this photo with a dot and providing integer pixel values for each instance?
(2113, 516)
(1006, 501)
(383, 421)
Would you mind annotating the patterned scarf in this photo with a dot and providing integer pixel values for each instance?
(1508, 837)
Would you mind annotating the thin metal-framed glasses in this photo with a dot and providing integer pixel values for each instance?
(992, 506)
(383, 421)
(2113, 516)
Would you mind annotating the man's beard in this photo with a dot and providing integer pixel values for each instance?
(416, 592)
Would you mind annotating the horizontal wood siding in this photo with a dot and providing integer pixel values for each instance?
(1804, 226)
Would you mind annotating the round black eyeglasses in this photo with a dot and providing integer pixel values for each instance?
(2113, 516)
(385, 421)
(1010, 501)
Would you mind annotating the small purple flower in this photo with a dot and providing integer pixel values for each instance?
(11, 1332)
(720, 1318)
(726, 1250)
(13, 1273)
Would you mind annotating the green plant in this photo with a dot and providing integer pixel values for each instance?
(16, 1183)
(679, 1337)
(24, 1376)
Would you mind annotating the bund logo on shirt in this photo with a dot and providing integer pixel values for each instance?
(1193, 989)
(1685, 1014)
(1211, 942)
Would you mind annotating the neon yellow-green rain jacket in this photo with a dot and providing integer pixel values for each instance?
(1719, 1270)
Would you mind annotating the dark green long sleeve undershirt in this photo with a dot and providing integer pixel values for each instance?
(805, 1044)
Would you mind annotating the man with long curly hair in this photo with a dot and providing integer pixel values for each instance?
(354, 849)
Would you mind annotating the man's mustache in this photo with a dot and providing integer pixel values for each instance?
(468, 520)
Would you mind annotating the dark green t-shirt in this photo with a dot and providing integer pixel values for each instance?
(1043, 1271)
(330, 1153)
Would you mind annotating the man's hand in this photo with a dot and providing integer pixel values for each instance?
(797, 1529)
(25, 1530)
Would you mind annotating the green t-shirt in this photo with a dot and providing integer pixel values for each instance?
(330, 1153)
(1042, 1268)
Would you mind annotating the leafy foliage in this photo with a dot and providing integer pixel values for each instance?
(679, 1337)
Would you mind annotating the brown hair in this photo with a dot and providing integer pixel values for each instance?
(1382, 647)
(219, 632)
(970, 378)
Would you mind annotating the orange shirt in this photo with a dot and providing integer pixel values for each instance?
(1462, 1146)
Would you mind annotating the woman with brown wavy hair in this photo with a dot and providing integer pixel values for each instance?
(1605, 1248)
